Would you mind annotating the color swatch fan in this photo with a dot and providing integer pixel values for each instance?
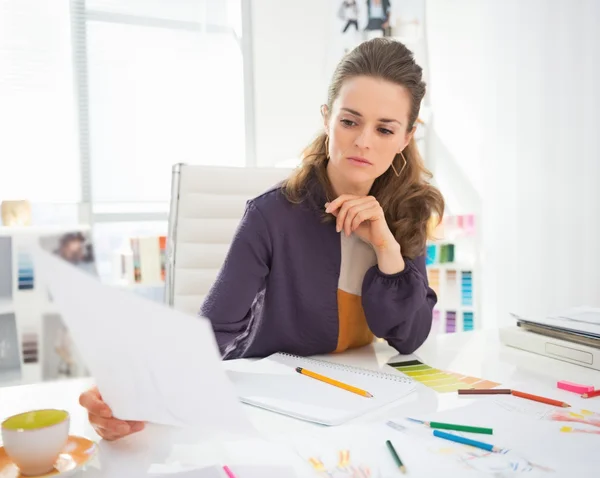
(439, 380)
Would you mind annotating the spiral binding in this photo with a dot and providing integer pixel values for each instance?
(350, 368)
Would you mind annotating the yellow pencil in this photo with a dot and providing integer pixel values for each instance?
(333, 382)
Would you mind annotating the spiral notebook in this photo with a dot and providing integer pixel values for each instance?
(272, 383)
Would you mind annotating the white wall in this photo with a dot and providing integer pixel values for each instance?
(296, 46)
(291, 48)
(516, 101)
(455, 86)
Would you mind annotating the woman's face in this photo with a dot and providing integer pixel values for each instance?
(367, 128)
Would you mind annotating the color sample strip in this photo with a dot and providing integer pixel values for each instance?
(29, 347)
(450, 321)
(440, 380)
(431, 254)
(467, 288)
(467, 321)
(433, 277)
(452, 288)
(25, 275)
(435, 323)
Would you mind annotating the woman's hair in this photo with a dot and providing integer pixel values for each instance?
(408, 201)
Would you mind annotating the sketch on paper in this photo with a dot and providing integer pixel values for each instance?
(548, 412)
(504, 463)
(341, 466)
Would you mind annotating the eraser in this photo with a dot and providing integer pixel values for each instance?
(574, 387)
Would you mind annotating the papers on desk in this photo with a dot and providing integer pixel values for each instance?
(274, 384)
(151, 363)
(535, 447)
(536, 440)
(240, 471)
(171, 452)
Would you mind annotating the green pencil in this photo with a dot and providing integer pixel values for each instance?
(452, 426)
(397, 459)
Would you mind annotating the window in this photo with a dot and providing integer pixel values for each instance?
(39, 148)
(165, 85)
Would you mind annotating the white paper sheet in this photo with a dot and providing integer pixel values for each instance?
(536, 443)
(531, 447)
(164, 451)
(150, 362)
(360, 450)
(239, 471)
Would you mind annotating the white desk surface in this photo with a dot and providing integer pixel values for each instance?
(477, 353)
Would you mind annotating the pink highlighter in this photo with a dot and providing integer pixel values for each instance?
(574, 387)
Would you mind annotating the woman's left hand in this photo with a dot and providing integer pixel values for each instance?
(363, 216)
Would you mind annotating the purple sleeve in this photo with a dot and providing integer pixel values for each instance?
(399, 307)
(230, 302)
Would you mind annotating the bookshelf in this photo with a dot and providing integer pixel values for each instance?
(453, 273)
(30, 320)
(31, 329)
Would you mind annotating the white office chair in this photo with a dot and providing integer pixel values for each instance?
(207, 204)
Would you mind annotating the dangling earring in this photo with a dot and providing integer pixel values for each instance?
(403, 166)
(327, 146)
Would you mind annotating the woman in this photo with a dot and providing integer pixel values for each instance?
(349, 12)
(378, 13)
(335, 255)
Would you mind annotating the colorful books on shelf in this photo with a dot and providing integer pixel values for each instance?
(147, 263)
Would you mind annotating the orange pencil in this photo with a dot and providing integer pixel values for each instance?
(537, 398)
(595, 393)
(333, 382)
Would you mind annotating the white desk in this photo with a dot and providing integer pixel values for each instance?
(473, 353)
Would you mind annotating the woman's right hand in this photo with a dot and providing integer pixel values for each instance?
(101, 417)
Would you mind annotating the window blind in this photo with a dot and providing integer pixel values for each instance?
(164, 85)
(38, 145)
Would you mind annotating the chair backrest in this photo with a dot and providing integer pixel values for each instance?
(207, 204)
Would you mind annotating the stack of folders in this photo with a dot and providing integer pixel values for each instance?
(286, 384)
(579, 325)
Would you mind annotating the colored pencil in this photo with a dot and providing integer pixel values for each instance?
(333, 382)
(397, 459)
(595, 393)
(537, 398)
(451, 426)
(465, 441)
(228, 472)
(487, 391)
